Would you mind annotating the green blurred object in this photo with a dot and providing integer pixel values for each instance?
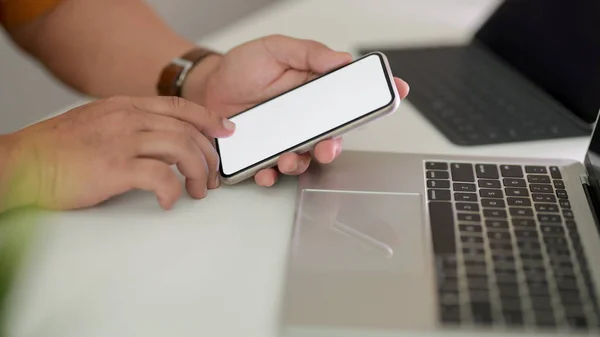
(16, 231)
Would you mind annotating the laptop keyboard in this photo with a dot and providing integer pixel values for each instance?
(508, 252)
(474, 99)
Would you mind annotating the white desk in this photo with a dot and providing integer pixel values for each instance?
(214, 267)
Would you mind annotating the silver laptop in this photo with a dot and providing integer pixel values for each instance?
(405, 244)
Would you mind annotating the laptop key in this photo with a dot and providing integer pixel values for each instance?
(555, 172)
(541, 188)
(441, 217)
(437, 194)
(460, 196)
(493, 203)
(469, 207)
(494, 213)
(521, 212)
(541, 303)
(536, 169)
(514, 182)
(559, 184)
(489, 183)
(527, 223)
(499, 236)
(562, 194)
(514, 201)
(489, 193)
(436, 166)
(462, 172)
(538, 179)
(488, 171)
(549, 218)
(468, 217)
(517, 192)
(464, 187)
(547, 208)
(543, 197)
(470, 228)
(450, 313)
(568, 214)
(438, 183)
(511, 171)
(438, 175)
(545, 318)
(497, 224)
(513, 317)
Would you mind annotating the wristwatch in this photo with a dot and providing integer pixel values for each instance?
(174, 74)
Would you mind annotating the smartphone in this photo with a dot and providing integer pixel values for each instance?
(295, 121)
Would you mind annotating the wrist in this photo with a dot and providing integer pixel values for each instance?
(16, 189)
(198, 79)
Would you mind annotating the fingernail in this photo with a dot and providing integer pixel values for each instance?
(229, 125)
(294, 167)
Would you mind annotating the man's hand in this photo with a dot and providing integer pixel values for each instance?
(260, 69)
(109, 147)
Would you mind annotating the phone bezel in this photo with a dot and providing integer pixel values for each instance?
(389, 107)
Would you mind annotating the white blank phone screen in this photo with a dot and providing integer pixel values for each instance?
(304, 113)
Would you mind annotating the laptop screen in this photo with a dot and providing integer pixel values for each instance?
(592, 163)
(555, 43)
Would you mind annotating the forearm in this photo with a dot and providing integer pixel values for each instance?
(103, 47)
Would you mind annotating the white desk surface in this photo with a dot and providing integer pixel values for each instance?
(214, 267)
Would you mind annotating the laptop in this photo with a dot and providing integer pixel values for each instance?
(530, 72)
(389, 244)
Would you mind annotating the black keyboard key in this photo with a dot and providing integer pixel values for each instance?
(517, 192)
(508, 291)
(526, 223)
(487, 171)
(438, 183)
(482, 313)
(438, 175)
(489, 183)
(535, 169)
(577, 322)
(493, 203)
(541, 188)
(506, 279)
(511, 171)
(499, 246)
(494, 213)
(559, 184)
(514, 201)
(464, 187)
(562, 194)
(541, 303)
(536, 179)
(555, 172)
(526, 233)
(467, 206)
(470, 197)
(436, 194)
(549, 218)
(477, 283)
(543, 197)
(521, 212)
(538, 289)
(496, 224)
(450, 313)
(499, 236)
(532, 256)
(441, 217)
(546, 208)
(469, 239)
(513, 317)
(565, 204)
(468, 217)
(545, 318)
(462, 172)
(528, 245)
(488, 193)
(470, 228)
(476, 271)
(511, 304)
(568, 214)
(514, 182)
(436, 166)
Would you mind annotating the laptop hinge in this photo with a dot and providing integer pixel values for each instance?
(591, 197)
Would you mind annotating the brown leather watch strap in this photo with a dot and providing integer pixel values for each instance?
(174, 74)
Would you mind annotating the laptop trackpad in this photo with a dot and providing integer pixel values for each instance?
(359, 260)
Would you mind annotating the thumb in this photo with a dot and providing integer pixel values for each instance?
(305, 55)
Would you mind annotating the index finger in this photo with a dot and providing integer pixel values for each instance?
(206, 121)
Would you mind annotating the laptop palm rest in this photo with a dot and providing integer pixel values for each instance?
(357, 259)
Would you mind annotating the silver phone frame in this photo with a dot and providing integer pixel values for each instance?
(337, 132)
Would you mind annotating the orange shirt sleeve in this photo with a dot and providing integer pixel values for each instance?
(17, 12)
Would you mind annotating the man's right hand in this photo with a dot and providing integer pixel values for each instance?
(106, 148)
